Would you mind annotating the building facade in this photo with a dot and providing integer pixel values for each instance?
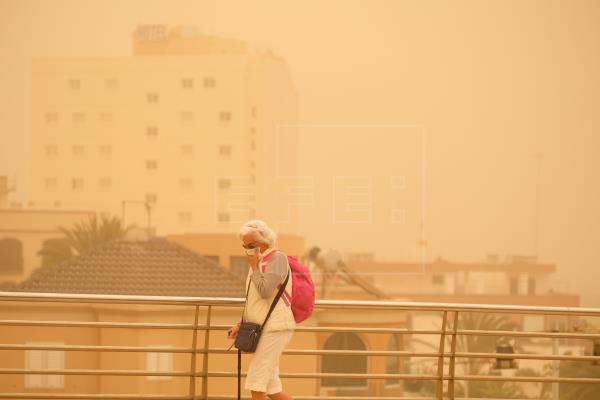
(184, 135)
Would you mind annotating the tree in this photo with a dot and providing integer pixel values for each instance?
(54, 251)
(581, 391)
(82, 237)
(483, 344)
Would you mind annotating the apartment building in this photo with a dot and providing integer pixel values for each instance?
(189, 133)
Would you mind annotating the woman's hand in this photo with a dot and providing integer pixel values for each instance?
(253, 260)
(232, 333)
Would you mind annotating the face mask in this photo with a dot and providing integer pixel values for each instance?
(250, 252)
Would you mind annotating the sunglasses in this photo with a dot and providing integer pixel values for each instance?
(249, 246)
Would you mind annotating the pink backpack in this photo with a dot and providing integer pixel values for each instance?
(302, 300)
(303, 290)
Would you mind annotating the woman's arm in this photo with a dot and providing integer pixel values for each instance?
(275, 272)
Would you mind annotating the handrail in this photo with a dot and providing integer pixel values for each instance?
(353, 304)
(447, 353)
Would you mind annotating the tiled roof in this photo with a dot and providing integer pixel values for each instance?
(151, 267)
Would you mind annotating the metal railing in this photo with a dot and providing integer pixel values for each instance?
(446, 356)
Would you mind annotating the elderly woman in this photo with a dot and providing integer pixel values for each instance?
(268, 270)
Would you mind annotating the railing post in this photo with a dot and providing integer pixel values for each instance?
(452, 357)
(193, 362)
(440, 371)
(205, 363)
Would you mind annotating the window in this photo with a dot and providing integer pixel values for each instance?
(51, 117)
(44, 359)
(151, 198)
(74, 84)
(392, 363)
(187, 83)
(209, 82)
(437, 279)
(78, 117)
(106, 117)
(78, 150)
(111, 83)
(151, 164)
(531, 285)
(238, 265)
(185, 185)
(187, 117)
(225, 116)
(50, 183)
(77, 183)
(11, 260)
(152, 131)
(514, 285)
(185, 217)
(344, 364)
(51, 150)
(187, 150)
(224, 150)
(152, 97)
(159, 362)
(224, 183)
(105, 183)
(105, 150)
(223, 217)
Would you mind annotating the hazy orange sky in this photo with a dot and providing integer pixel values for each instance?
(495, 86)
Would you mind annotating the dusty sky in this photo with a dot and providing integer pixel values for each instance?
(498, 87)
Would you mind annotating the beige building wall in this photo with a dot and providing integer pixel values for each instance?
(32, 228)
(195, 134)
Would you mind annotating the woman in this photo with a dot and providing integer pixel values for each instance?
(268, 270)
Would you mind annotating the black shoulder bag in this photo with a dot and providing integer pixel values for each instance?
(249, 333)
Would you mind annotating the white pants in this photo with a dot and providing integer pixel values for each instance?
(263, 371)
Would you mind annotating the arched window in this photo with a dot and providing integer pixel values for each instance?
(11, 256)
(392, 363)
(340, 364)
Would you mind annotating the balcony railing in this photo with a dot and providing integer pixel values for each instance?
(446, 356)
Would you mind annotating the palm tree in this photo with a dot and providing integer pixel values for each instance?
(82, 237)
(54, 251)
(483, 344)
(579, 369)
(497, 390)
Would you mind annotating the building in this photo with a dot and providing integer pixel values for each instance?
(23, 232)
(515, 280)
(186, 134)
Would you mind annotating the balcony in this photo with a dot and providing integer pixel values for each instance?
(65, 346)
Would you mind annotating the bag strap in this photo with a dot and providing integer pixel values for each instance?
(246, 301)
(276, 299)
(239, 375)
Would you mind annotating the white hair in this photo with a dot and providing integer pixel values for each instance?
(261, 231)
